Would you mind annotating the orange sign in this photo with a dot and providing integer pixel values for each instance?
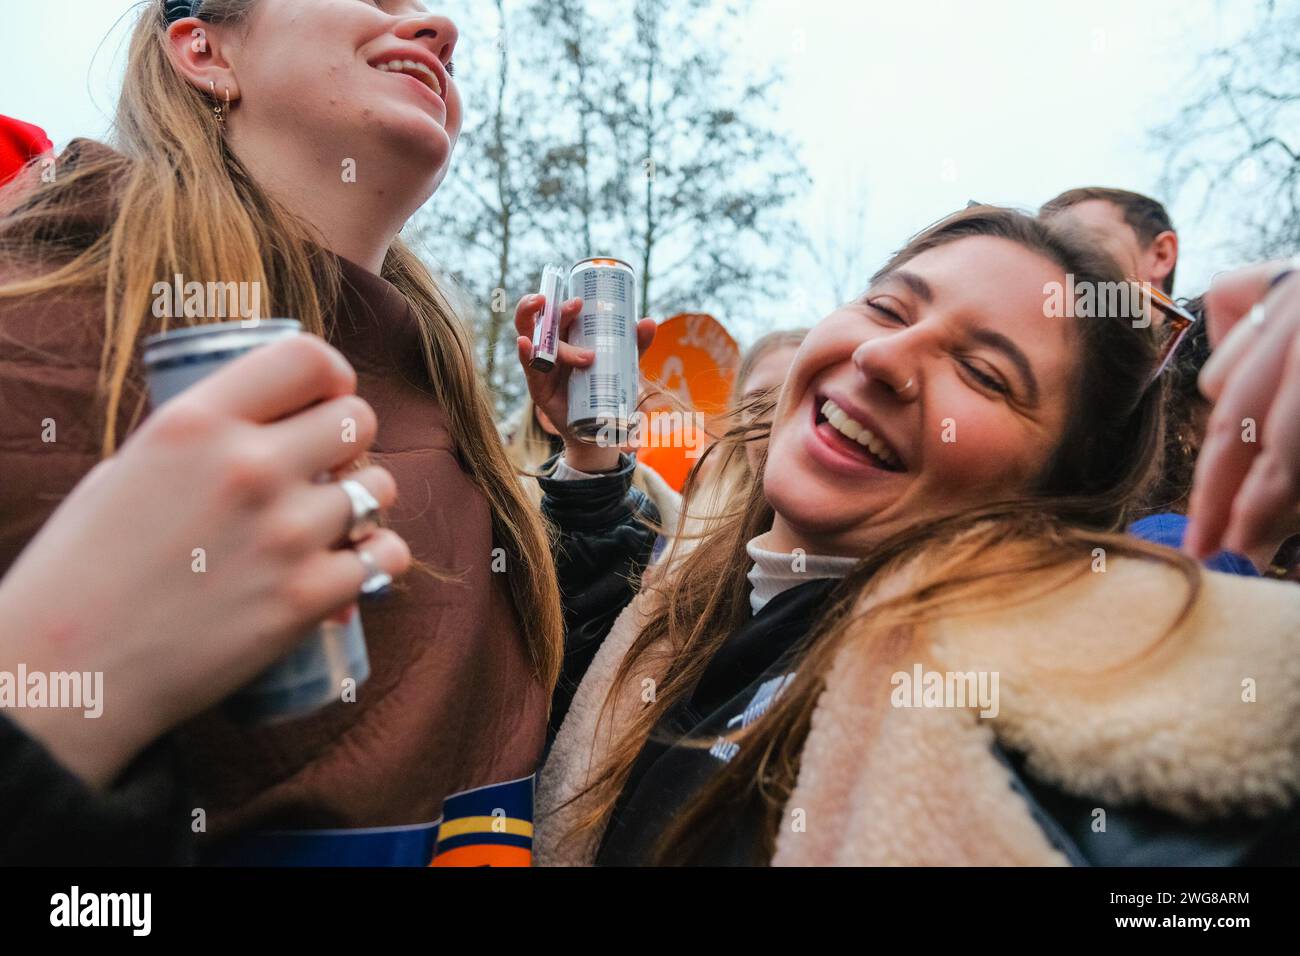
(694, 359)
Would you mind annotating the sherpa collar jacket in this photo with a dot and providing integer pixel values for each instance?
(452, 702)
(1108, 746)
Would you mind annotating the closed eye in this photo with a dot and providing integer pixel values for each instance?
(984, 379)
(889, 314)
(981, 378)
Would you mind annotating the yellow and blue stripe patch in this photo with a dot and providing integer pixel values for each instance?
(487, 826)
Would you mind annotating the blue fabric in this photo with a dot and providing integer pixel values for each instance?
(1169, 528)
(381, 846)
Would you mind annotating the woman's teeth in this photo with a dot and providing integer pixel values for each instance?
(410, 67)
(856, 431)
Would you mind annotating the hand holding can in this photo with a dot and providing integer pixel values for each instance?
(550, 388)
(197, 555)
(333, 659)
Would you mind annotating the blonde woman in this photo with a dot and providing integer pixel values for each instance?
(278, 146)
(922, 639)
(530, 439)
(713, 487)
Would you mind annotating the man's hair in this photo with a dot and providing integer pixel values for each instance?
(1147, 217)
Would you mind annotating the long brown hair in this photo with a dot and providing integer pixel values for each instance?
(182, 203)
(714, 495)
(1080, 502)
(528, 445)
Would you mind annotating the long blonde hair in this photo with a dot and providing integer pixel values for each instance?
(710, 497)
(1080, 501)
(183, 203)
(528, 445)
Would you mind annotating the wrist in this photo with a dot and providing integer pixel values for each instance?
(83, 733)
(96, 754)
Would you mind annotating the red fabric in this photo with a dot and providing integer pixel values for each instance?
(19, 143)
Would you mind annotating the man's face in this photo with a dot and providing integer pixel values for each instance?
(1150, 262)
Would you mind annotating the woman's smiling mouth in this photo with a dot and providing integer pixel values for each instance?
(417, 70)
(423, 74)
(846, 444)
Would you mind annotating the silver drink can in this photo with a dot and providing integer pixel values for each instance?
(310, 676)
(603, 396)
(546, 330)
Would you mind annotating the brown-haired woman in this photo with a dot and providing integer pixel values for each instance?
(278, 146)
(920, 639)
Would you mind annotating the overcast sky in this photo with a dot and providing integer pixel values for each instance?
(914, 106)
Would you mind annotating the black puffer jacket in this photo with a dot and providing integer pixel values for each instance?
(601, 549)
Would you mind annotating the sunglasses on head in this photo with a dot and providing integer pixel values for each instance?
(1177, 320)
(174, 10)
(1177, 324)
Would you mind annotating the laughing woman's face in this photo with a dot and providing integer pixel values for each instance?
(942, 388)
(331, 72)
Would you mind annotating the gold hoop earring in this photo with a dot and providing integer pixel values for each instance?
(217, 111)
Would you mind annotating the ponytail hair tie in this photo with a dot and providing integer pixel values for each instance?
(174, 10)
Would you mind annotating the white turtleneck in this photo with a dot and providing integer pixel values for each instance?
(773, 571)
(777, 571)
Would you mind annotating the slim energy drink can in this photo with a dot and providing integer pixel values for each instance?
(312, 674)
(546, 331)
(603, 396)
